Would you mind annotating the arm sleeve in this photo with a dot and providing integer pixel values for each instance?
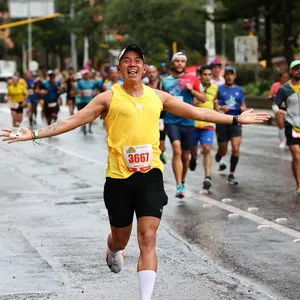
(280, 97)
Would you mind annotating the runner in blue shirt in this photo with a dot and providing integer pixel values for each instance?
(231, 101)
(86, 87)
(32, 97)
(181, 130)
(51, 92)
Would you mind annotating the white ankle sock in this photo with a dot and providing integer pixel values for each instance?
(281, 133)
(146, 283)
(112, 253)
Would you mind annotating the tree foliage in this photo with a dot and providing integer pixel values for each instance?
(52, 37)
(155, 22)
(283, 16)
(155, 25)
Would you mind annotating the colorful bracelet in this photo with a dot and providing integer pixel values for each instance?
(36, 135)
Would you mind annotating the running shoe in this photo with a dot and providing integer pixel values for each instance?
(193, 163)
(282, 145)
(164, 158)
(231, 179)
(206, 183)
(217, 158)
(180, 191)
(297, 192)
(222, 166)
(115, 261)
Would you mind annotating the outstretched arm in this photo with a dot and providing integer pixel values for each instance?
(93, 110)
(185, 110)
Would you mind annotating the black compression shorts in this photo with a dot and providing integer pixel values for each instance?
(142, 193)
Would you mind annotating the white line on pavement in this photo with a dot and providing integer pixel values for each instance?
(229, 208)
(252, 217)
(97, 162)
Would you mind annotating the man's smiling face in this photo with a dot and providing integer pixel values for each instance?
(132, 66)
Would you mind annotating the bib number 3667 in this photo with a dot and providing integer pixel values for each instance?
(295, 133)
(138, 158)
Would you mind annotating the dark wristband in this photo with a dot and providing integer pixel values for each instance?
(235, 120)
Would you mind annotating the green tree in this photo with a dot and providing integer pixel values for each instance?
(159, 22)
(52, 37)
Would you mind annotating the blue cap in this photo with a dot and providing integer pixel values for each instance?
(230, 69)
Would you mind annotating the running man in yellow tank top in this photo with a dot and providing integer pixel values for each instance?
(134, 182)
(204, 131)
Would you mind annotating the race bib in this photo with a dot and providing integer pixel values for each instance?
(296, 133)
(30, 92)
(138, 158)
(87, 93)
(14, 105)
(179, 98)
(52, 104)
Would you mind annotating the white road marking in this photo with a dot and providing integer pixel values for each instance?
(69, 152)
(253, 217)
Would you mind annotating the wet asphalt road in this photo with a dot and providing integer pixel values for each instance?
(237, 259)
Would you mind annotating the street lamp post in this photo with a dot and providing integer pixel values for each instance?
(223, 43)
(29, 57)
(73, 40)
(210, 43)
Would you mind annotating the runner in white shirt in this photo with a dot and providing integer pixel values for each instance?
(216, 68)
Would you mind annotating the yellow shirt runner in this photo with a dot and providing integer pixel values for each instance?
(133, 145)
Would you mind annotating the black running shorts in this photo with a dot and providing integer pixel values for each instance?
(50, 111)
(18, 110)
(290, 140)
(142, 193)
(226, 132)
(162, 135)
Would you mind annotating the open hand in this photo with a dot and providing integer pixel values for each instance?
(9, 136)
(248, 117)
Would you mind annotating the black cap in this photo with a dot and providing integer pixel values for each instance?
(132, 47)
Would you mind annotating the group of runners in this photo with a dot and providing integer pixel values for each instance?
(134, 175)
(131, 113)
(207, 89)
(46, 89)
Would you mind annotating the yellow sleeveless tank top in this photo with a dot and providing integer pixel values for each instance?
(132, 126)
